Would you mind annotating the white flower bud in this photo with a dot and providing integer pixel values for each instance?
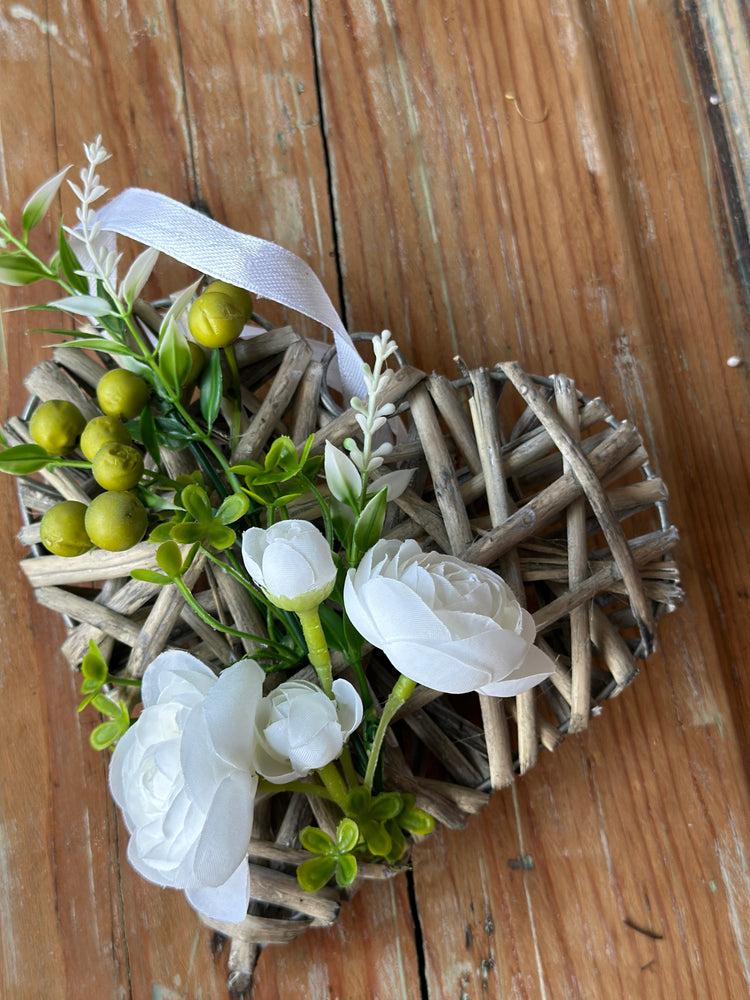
(300, 729)
(291, 562)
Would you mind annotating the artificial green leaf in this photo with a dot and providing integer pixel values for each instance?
(211, 389)
(343, 521)
(313, 466)
(346, 870)
(195, 478)
(376, 837)
(269, 478)
(263, 497)
(105, 735)
(416, 821)
(282, 455)
(398, 842)
(394, 482)
(175, 360)
(94, 666)
(342, 476)
(108, 732)
(169, 558)
(315, 872)
(153, 501)
(289, 495)
(306, 450)
(187, 532)
(17, 269)
(172, 315)
(70, 265)
(148, 435)
(23, 459)
(358, 802)
(316, 841)
(387, 805)
(38, 203)
(220, 536)
(196, 503)
(347, 835)
(98, 344)
(333, 627)
(232, 508)
(82, 305)
(113, 325)
(173, 434)
(162, 532)
(353, 640)
(87, 700)
(246, 469)
(149, 576)
(105, 705)
(138, 274)
(372, 813)
(370, 522)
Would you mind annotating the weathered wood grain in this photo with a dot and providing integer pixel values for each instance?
(137, 103)
(597, 251)
(256, 137)
(85, 70)
(578, 227)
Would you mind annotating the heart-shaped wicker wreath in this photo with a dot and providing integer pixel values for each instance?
(515, 472)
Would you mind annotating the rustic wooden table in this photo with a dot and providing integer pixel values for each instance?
(557, 183)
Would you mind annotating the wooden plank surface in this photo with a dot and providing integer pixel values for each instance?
(516, 180)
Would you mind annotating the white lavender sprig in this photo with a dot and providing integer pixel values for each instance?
(370, 416)
(102, 260)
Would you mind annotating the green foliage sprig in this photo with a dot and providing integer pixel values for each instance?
(95, 676)
(201, 514)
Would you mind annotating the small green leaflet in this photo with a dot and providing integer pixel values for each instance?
(82, 305)
(23, 459)
(370, 522)
(149, 436)
(17, 269)
(39, 202)
(211, 389)
(70, 265)
(175, 360)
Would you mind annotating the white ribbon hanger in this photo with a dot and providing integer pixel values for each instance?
(264, 268)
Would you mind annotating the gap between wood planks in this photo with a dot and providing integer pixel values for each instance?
(196, 199)
(198, 202)
(327, 161)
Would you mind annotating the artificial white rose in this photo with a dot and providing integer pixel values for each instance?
(291, 562)
(444, 623)
(184, 777)
(299, 728)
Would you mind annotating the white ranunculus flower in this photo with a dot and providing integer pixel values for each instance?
(299, 728)
(444, 623)
(291, 562)
(184, 777)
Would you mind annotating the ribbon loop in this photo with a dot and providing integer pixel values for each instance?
(264, 268)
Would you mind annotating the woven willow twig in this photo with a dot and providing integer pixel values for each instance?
(580, 633)
(595, 494)
(542, 485)
(482, 407)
